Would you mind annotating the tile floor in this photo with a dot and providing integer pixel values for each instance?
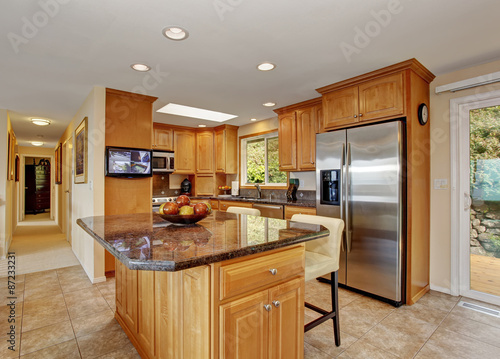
(60, 314)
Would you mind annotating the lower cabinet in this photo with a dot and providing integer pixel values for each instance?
(224, 205)
(291, 210)
(266, 324)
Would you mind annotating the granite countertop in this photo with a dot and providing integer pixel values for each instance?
(145, 241)
(280, 201)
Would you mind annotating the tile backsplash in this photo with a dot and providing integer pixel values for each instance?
(161, 186)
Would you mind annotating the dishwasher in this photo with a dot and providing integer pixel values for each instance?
(270, 210)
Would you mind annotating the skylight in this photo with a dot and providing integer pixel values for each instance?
(187, 111)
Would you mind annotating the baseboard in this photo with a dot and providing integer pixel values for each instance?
(440, 289)
(99, 279)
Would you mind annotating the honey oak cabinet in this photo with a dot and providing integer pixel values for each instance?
(226, 150)
(291, 210)
(376, 99)
(204, 185)
(185, 151)
(298, 125)
(163, 138)
(205, 152)
(224, 205)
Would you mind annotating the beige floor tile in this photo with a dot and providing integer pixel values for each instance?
(311, 352)
(75, 283)
(438, 300)
(85, 302)
(66, 350)
(322, 338)
(45, 337)
(33, 306)
(5, 352)
(468, 327)
(44, 318)
(37, 277)
(362, 350)
(478, 316)
(346, 297)
(400, 334)
(126, 352)
(7, 311)
(43, 290)
(362, 314)
(423, 312)
(94, 323)
(444, 344)
(102, 342)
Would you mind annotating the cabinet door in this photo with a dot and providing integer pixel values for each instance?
(220, 151)
(340, 108)
(204, 185)
(244, 328)
(184, 147)
(291, 210)
(146, 310)
(288, 141)
(306, 138)
(128, 297)
(287, 320)
(381, 97)
(163, 139)
(205, 152)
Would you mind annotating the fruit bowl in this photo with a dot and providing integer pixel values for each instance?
(183, 220)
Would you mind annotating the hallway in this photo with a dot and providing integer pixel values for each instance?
(39, 245)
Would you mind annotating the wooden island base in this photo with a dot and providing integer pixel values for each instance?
(235, 308)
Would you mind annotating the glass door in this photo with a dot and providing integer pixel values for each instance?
(484, 156)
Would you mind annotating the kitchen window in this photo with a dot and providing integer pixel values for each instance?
(260, 160)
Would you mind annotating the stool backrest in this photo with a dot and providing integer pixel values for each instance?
(244, 210)
(327, 246)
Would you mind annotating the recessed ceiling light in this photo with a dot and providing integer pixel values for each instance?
(202, 125)
(140, 67)
(266, 66)
(253, 119)
(187, 111)
(175, 33)
(269, 104)
(36, 143)
(40, 121)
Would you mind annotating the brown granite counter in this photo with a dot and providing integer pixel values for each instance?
(145, 241)
(276, 201)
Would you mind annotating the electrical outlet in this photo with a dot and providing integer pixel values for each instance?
(301, 183)
(440, 183)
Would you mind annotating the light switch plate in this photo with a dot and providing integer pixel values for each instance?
(440, 183)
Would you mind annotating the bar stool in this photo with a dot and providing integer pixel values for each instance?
(243, 210)
(322, 257)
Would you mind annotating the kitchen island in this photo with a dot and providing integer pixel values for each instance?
(229, 286)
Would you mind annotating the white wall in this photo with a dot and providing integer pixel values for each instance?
(4, 234)
(88, 198)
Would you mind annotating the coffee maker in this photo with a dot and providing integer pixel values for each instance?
(291, 193)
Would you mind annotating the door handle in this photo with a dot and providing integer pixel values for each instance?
(276, 303)
(267, 307)
(66, 191)
(341, 194)
(347, 200)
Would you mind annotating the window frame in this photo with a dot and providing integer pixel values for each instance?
(242, 160)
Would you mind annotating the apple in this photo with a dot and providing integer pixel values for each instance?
(160, 210)
(170, 208)
(182, 200)
(200, 208)
(186, 210)
(209, 206)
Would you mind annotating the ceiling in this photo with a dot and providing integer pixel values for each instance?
(52, 55)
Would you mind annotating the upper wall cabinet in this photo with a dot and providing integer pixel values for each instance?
(184, 147)
(226, 149)
(205, 152)
(298, 125)
(371, 100)
(163, 138)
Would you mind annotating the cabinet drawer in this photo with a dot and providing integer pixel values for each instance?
(250, 274)
(291, 210)
(224, 205)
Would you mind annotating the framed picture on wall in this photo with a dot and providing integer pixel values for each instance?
(81, 152)
(59, 164)
(17, 169)
(11, 157)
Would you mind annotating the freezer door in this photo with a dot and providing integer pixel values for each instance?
(330, 155)
(374, 209)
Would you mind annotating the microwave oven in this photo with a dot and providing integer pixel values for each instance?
(163, 161)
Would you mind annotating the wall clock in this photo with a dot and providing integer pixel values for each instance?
(423, 114)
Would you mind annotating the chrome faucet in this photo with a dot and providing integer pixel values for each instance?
(259, 191)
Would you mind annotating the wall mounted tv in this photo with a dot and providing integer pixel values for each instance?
(128, 162)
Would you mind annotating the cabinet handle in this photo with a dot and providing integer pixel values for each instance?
(276, 303)
(273, 271)
(360, 115)
(267, 307)
(355, 116)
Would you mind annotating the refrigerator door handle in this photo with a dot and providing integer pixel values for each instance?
(342, 197)
(347, 200)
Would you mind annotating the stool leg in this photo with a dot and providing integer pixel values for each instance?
(335, 307)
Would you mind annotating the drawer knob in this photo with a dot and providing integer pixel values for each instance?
(267, 307)
(273, 271)
(276, 303)
(360, 115)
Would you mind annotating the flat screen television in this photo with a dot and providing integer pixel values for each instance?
(128, 162)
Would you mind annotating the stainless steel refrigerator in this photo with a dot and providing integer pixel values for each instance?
(360, 177)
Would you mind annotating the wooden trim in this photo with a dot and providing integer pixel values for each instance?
(263, 186)
(130, 95)
(257, 134)
(411, 64)
(298, 106)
